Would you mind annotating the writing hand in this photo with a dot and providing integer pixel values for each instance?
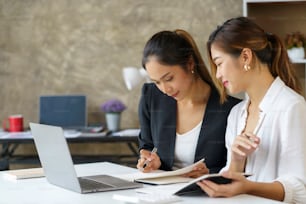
(148, 161)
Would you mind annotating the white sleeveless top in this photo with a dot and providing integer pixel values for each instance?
(185, 147)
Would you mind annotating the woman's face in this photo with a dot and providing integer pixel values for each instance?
(229, 70)
(171, 80)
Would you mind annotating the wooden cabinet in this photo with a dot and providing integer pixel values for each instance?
(280, 17)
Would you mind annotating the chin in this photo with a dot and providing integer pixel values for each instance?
(233, 91)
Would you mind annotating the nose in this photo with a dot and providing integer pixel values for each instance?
(218, 74)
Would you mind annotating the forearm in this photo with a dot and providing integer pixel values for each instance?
(273, 190)
(237, 165)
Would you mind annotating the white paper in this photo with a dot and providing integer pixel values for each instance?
(140, 176)
(127, 133)
(169, 189)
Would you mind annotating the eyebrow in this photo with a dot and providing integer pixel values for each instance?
(161, 77)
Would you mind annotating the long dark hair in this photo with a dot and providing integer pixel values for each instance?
(176, 48)
(241, 32)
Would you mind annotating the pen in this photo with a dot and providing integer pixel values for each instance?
(261, 118)
(154, 150)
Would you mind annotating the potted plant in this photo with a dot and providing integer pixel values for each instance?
(295, 44)
(112, 109)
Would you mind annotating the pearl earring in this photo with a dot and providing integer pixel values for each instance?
(192, 71)
(246, 67)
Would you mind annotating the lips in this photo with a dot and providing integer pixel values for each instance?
(175, 95)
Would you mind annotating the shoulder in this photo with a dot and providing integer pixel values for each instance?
(289, 102)
(282, 96)
(150, 88)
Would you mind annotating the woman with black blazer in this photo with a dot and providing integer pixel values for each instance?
(181, 113)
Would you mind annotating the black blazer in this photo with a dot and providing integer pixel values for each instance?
(157, 115)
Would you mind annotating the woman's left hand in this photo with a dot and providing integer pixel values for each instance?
(238, 186)
(197, 171)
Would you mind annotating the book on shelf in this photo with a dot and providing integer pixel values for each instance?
(24, 173)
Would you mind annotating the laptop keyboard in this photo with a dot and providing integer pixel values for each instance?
(90, 184)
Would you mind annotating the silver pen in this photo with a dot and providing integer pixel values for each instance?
(154, 150)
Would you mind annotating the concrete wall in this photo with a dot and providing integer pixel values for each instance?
(80, 47)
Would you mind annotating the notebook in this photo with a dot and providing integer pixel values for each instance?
(58, 166)
(66, 111)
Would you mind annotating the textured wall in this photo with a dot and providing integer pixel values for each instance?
(78, 46)
(81, 46)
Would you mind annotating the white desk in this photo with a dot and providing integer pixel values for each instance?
(38, 190)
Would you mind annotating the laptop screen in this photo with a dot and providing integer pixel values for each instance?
(67, 111)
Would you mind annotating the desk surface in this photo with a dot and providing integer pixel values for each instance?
(26, 137)
(38, 190)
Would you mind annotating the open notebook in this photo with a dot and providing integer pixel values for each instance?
(159, 177)
(187, 188)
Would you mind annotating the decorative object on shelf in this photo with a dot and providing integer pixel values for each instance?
(295, 43)
(113, 109)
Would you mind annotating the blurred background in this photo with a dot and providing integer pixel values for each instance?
(52, 47)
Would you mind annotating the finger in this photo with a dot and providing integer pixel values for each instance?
(140, 163)
(199, 166)
(144, 153)
(252, 137)
(206, 188)
(238, 151)
(196, 172)
(244, 142)
(217, 190)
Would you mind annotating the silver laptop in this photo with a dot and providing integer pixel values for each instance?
(56, 161)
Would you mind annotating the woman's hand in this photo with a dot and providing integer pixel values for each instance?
(244, 145)
(197, 171)
(238, 186)
(153, 161)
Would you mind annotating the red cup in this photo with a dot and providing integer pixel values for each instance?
(15, 123)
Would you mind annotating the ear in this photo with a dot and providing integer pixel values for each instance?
(246, 56)
(190, 64)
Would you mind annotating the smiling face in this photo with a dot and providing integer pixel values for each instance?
(172, 80)
(229, 70)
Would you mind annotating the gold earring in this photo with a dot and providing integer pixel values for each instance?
(246, 67)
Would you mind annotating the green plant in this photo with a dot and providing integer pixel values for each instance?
(295, 39)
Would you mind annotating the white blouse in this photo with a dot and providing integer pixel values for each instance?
(187, 141)
(281, 154)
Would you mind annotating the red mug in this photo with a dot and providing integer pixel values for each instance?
(15, 123)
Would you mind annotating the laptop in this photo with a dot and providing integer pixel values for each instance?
(56, 161)
(66, 111)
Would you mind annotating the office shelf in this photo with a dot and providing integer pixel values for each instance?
(280, 17)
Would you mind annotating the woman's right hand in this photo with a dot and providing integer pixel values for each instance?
(153, 161)
(244, 145)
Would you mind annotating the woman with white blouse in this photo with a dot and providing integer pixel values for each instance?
(266, 133)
